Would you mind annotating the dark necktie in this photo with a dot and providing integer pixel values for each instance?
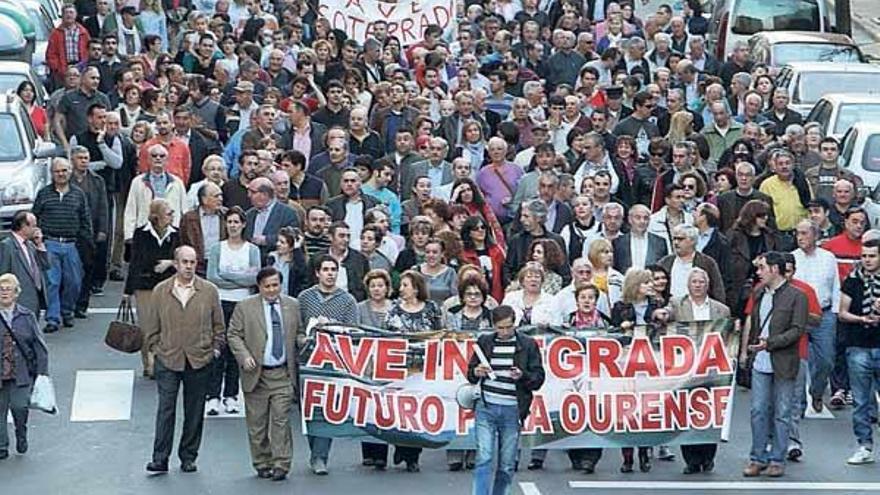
(277, 332)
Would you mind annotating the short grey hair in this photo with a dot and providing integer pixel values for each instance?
(744, 78)
(78, 149)
(609, 207)
(531, 86)
(813, 226)
(688, 231)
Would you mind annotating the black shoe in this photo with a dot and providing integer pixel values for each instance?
(626, 467)
(691, 469)
(97, 291)
(412, 467)
(157, 467)
(535, 465)
(81, 314)
(68, 322)
(379, 464)
(50, 328)
(708, 467)
(188, 467)
(470, 465)
(21, 444)
(645, 461)
(577, 465)
(589, 467)
(264, 473)
(117, 276)
(455, 466)
(279, 474)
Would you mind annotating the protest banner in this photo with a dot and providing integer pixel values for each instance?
(601, 389)
(406, 19)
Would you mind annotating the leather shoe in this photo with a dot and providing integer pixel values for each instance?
(708, 467)
(535, 465)
(4, 454)
(817, 404)
(81, 314)
(157, 467)
(188, 467)
(753, 469)
(775, 471)
(21, 444)
(264, 473)
(68, 322)
(589, 467)
(279, 474)
(50, 328)
(455, 466)
(691, 469)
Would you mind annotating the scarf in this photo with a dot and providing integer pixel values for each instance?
(129, 39)
(476, 151)
(870, 289)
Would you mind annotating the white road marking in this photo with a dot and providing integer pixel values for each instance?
(727, 485)
(529, 488)
(102, 395)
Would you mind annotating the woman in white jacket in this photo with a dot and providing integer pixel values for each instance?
(532, 305)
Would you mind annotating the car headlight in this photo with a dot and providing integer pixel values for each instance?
(20, 192)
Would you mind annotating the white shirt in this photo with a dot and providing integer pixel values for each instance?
(268, 358)
(762, 358)
(354, 218)
(701, 311)
(679, 277)
(819, 271)
(638, 247)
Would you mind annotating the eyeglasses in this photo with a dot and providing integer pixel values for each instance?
(679, 238)
(158, 155)
(479, 227)
(690, 187)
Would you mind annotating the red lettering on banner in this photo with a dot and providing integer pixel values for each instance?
(432, 358)
(600, 412)
(573, 413)
(356, 364)
(362, 395)
(720, 397)
(313, 394)
(407, 407)
(336, 404)
(324, 353)
(701, 410)
(641, 359)
(650, 411)
(565, 358)
(712, 356)
(676, 405)
(465, 420)
(539, 419)
(385, 418)
(626, 405)
(455, 358)
(604, 353)
(432, 414)
(390, 361)
(673, 347)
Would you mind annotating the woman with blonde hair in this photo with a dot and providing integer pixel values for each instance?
(681, 125)
(607, 279)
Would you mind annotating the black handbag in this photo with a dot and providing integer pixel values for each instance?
(124, 334)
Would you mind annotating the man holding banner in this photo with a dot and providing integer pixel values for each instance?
(507, 365)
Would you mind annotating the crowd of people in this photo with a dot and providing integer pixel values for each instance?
(553, 162)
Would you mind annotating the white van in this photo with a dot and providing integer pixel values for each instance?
(738, 20)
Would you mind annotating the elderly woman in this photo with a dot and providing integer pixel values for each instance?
(697, 306)
(214, 170)
(549, 255)
(232, 266)
(151, 263)
(413, 312)
(372, 313)
(749, 237)
(23, 356)
(531, 304)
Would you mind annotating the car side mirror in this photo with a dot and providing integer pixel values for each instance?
(46, 149)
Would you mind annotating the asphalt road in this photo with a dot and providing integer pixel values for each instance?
(101, 439)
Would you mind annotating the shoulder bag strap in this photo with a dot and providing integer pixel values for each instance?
(504, 181)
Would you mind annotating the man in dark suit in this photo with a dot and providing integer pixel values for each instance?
(731, 202)
(436, 163)
(559, 214)
(351, 200)
(199, 147)
(713, 243)
(267, 216)
(638, 248)
(94, 24)
(23, 255)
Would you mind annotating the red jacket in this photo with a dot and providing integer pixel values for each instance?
(56, 53)
(496, 254)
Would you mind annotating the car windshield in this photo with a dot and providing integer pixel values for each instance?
(40, 27)
(812, 85)
(871, 155)
(752, 16)
(11, 148)
(784, 53)
(851, 113)
(10, 81)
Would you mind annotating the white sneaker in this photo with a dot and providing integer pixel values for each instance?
(213, 407)
(862, 456)
(230, 404)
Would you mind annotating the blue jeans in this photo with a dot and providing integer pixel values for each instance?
(864, 378)
(822, 340)
(320, 447)
(65, 277)
(771, 409)
(495, 425)
(798, 405)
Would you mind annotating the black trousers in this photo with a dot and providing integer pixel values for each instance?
(379, 451)
(375, 451)
(194, 384)
(225, 369)
(99, 274)
(699, 454)
(87, 258)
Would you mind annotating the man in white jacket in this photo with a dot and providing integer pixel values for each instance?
(155, 183)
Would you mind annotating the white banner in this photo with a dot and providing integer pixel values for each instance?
(406, 20)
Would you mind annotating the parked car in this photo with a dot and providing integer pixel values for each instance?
(838, 112)
(737, 20)
(12, 73)
(24, 159)
(43, 26)
(807, 82)
(777, 48)
(13, 44)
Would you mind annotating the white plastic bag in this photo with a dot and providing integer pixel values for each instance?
(43, 395)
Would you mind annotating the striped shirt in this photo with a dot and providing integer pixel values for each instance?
(501, 390)
(338, 305)
(63, 214)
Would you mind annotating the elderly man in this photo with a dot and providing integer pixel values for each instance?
(563, 66)
(435, 168)
(362, 139)
(351, 205)
(267, 216)
(93, 185)
(753, 103)
(638, 248)
(64, 217)
(71, 117)
(686, 257)
(705, 63)
(611, 218)
(153, 184)
(738, 63)
(185, 330)
(205, 225)
(532, 217)
(721, 133)
(597, 158)
(499, 179)
(731, 202)
(450, 127)
(178, 162)
(263, 128)
(739, 88)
